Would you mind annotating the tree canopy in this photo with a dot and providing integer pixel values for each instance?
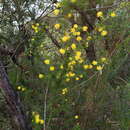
(64, 65)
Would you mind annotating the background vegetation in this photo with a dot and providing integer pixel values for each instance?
(64, 65)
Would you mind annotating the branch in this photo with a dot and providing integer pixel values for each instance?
(52, 38)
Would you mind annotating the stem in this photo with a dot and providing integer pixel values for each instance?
(45, 107)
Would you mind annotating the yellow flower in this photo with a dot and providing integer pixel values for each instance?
(99, 67)
(100, 14)
(72, 30)
(103, 59)
(41, 76)
(77, 78)
(65, 38)
(73, 1)
(89, 38)
(41, 121)
(33, 27)
(79, 38)
(86, 67)
(104, 33)
(94, 62)
(73, 62)
(61, 67)
(37, 118)
(73, 46)
(100, 29)
(62, 51)
(23, 89)
(76, 116)
(56, 12)
(32, 39)
(81, 60)
(47, 61)
(67, 80)
(85, 28)
(19, 87)
(90, 66)
(64, 91)
(77, 33)
(58, 5)
(37, 24)
(113, 14)
(52, 68)
(69, 15)
(75, 26)
(70, 58)
(57, 26)
(77, 56)
(78, 53)
(70, 74)
(81, 76)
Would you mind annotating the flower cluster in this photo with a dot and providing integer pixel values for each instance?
(37, 119)
(21, 88)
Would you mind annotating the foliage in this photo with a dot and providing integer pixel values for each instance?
(72, 69)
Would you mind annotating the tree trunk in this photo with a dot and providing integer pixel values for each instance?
(13, 102)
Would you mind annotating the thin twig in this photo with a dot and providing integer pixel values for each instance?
(45, 107)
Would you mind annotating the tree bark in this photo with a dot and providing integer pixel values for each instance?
(13, 102)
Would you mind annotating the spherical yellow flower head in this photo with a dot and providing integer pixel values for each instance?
(73, 1)
(76, 117)
(113, 14)
(37, 118)
(104, 33)
(73, 46)
(52, 68)
(64, 91)
(57, 26)
(70, 74)
(61, 67)
(85, 28)
(77, 78)
(94, 62)
(81, 76)
(86, 67)
(41, 121)
(99, 14)
(65, 38)
(41, 76)
(100, 29)
(19, 87)
(32, 39)
(103, 59)
(79, 38)
(62, 51)
(77, 33)
(99, 67)
(80, 60)
(37, 24)
(90, 66)
(89, 38)
(47, 61)
(23, 89)
(69, 15)
(77, 55)
(35, 28)
(75, 26)
(72, 30)
(56, 12)
(67, 79)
